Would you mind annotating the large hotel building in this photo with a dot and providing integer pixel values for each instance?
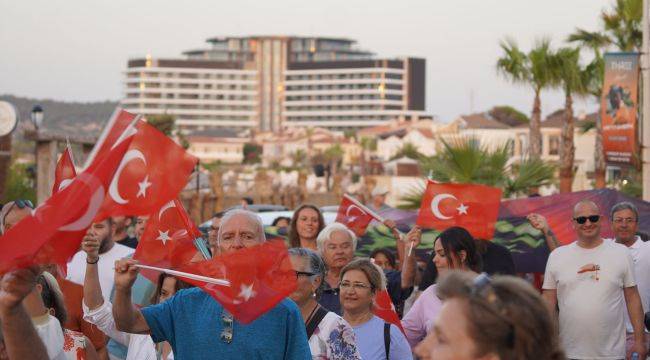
(268, 83)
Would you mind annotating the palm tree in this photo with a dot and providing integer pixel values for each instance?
(333, 157)
(367, 144)
(570, 76)
(623, 24)
(408, 150)
(466, 160)
(535, 70)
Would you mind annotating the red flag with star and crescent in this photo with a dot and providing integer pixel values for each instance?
(64, 172)
(154, 170)
(353, 216)
(167, 240)
(471, 206)
(385, 309)
(260, 277)
(53, 232)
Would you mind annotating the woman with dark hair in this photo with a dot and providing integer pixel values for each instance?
(503, 318)
(330, 337)
(454, 249)
(306, 223)
(384, 258)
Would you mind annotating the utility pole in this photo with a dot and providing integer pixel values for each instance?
(644, 123)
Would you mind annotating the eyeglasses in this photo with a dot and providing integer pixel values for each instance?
(357, 286)
(227, 332)
(583, 219)
(483, 293)
(304, 273)
(624, 220)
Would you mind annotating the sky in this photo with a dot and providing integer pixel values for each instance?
(77, 50)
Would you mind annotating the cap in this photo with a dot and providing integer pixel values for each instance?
(379, 190)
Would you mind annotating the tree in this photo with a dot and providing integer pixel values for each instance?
(166, 123)
(466, 160)
(298, 158)
(535, 70)
(367, 144)
(333, 156)
(508, 115)
(408, 150)
(19, 185)
(252, 153)
(572, 81)
(623, 24)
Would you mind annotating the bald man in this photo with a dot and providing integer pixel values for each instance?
(592, 282)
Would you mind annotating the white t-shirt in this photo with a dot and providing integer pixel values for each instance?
(50, 331)
(105, 266)
(640, 252)
(592, 305)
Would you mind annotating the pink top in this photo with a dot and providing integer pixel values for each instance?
(419, 320)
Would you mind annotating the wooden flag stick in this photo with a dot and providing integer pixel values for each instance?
(186, 275)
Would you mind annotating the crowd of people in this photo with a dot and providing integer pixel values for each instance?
(464, 301)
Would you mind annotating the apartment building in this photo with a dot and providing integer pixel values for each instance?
(270, 83)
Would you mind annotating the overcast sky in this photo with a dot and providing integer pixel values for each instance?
(77, 49)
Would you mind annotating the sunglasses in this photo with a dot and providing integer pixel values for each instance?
(21, 204)
(303, 273)
(227, 332)
(583, 219)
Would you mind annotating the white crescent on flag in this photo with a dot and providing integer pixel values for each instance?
(113, 190)
(435, 205)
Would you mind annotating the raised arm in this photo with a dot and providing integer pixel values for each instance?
(20, 336)
(127, 317)
(409, 265)
(93, 298)
(635, 310)
(539, 222)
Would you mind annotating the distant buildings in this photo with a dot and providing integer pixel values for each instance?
(271, 83)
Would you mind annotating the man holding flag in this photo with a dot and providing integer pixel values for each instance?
(199, 327)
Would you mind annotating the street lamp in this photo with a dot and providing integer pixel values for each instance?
(37, 116)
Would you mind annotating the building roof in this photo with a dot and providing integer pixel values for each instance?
(482, 121)
(556, 119)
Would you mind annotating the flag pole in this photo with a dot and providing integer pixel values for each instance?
(186, 275)
(375, 216)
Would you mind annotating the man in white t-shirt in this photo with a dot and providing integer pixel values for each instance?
(109, 252)
(592, 282)
(624, 218)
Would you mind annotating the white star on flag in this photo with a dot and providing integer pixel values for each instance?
(462, 209)
(246, 292)
(163, 236)
(143, 185)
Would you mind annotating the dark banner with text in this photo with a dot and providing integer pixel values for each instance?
(619, 108)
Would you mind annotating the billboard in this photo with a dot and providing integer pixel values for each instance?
(619, 108)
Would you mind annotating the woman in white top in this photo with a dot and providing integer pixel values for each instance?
(330, 337)
(100, 312)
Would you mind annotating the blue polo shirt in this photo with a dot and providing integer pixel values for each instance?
(191, 322)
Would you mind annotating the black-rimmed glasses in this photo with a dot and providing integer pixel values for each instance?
(303, 273)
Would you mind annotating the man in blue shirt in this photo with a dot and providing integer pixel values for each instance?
(198, 327)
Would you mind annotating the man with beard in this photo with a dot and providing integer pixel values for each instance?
(120, 235)
(109, 252)
(591, 281)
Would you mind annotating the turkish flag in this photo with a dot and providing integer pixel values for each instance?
(385, 309)
(116, 127)
(64, 172)
(260, 277)
(471, 206)
(53, 233)
(168, 239)
(154, 170)
(353, 216)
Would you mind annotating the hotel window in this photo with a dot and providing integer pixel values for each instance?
(554, 145)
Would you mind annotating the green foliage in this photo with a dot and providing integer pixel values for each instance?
(252, 153)
(568, 73)
(509, 115)
(298, 158)
(408, 150)
(165, 123)
(466, 160)
(623, 24)
(19, 184)
(368, 143)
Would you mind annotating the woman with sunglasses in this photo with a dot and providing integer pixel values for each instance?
(12, 212)
(503, 318)
(376, 339)
(454, 248)
(330, 337)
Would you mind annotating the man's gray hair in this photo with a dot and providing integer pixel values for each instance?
(326, 233)
(624, 205)
(316, 265)
(253, 217)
